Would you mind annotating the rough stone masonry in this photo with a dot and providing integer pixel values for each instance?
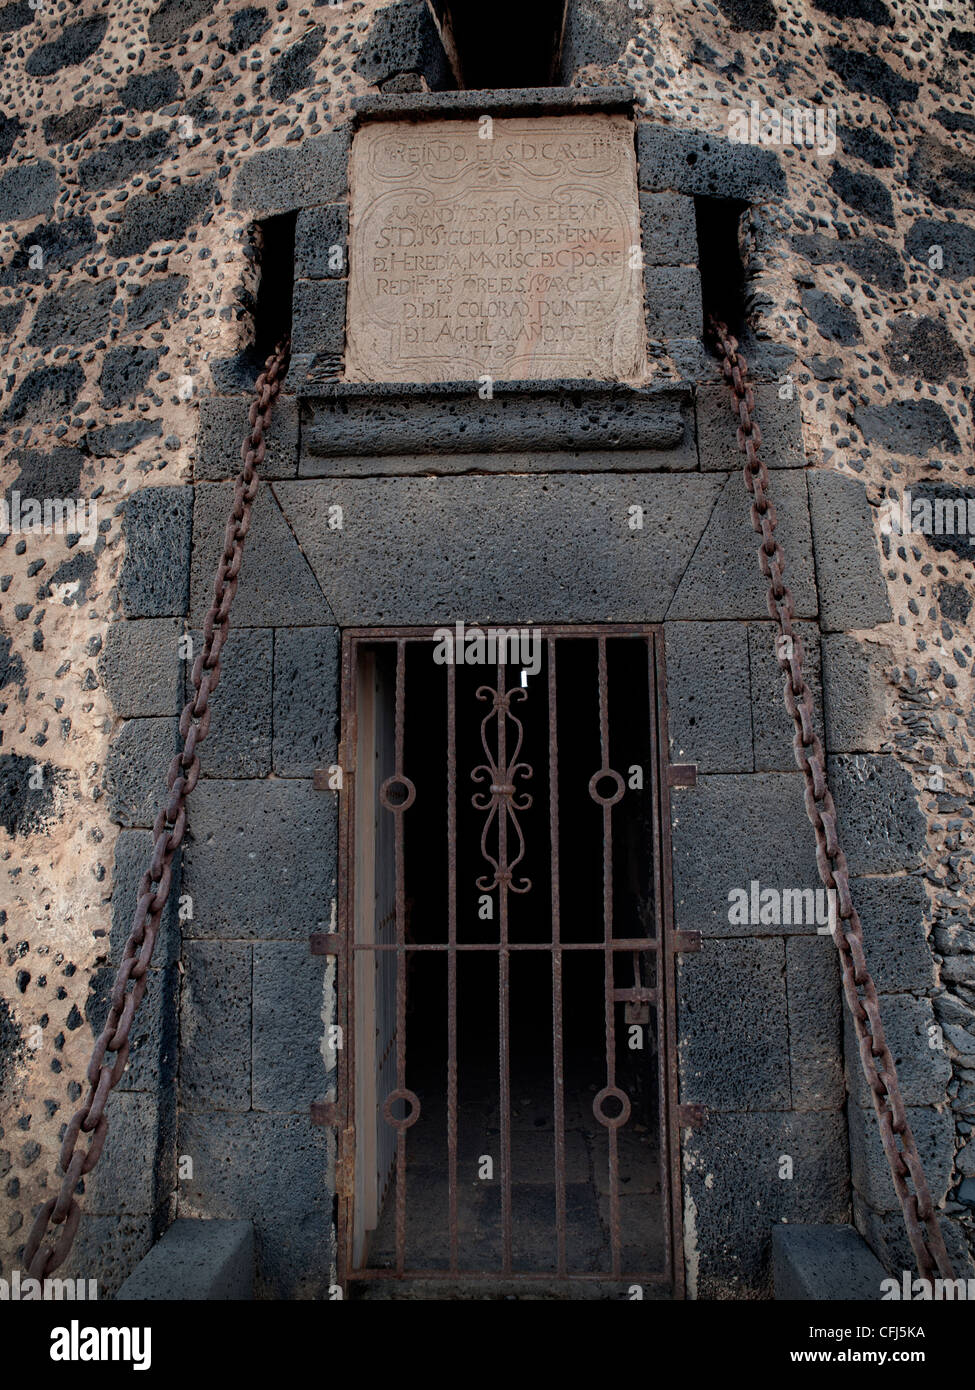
(145, 147)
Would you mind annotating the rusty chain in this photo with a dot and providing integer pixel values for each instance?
(184, 771)
(858, 985)
(76, 1161)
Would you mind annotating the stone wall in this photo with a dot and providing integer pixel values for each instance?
(865, 268)
(141, 147)
(127, 292)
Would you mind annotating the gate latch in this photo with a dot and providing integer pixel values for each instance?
(692, 1115)
(345, 1164)
(682, 774)
(637, 1001)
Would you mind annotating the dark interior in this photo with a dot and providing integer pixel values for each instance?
(275, 250)
(504, 44)
(722, 272)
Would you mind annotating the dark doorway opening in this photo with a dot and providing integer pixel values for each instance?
(505, 44)
(508, 1171)
(722, 271)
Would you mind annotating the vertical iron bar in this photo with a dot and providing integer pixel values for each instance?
(503, 986)
(344, 963)
(666, 969)
(668, 995)
(558, 1065)
(608, 977)
(400, 716)
(452, 960)
(661, 1008)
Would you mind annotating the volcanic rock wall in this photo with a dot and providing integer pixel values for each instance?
(866, 269)
(127, 295)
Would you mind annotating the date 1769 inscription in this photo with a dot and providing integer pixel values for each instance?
(504, 248)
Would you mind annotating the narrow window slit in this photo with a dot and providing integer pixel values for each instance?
(507, 44)
(274, 245)
(722, 271)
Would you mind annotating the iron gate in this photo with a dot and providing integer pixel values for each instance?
(439, 753)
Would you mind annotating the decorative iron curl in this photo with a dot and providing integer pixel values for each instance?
(502, 800)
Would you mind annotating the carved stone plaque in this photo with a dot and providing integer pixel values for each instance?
(507, 248)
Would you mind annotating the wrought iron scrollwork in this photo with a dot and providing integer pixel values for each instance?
(502, 801)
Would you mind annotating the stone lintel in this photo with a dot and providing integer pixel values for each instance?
(349, 419)
(515, 101)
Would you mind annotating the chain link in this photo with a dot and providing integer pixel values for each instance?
(77, 1161)
(858, 986)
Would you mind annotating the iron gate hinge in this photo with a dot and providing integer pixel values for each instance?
(682, 774)
(692, 1115)
(326, 943)
(345, 1164)
(323, 777)
(687, 941)
(347, 755)
(324, 1112)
